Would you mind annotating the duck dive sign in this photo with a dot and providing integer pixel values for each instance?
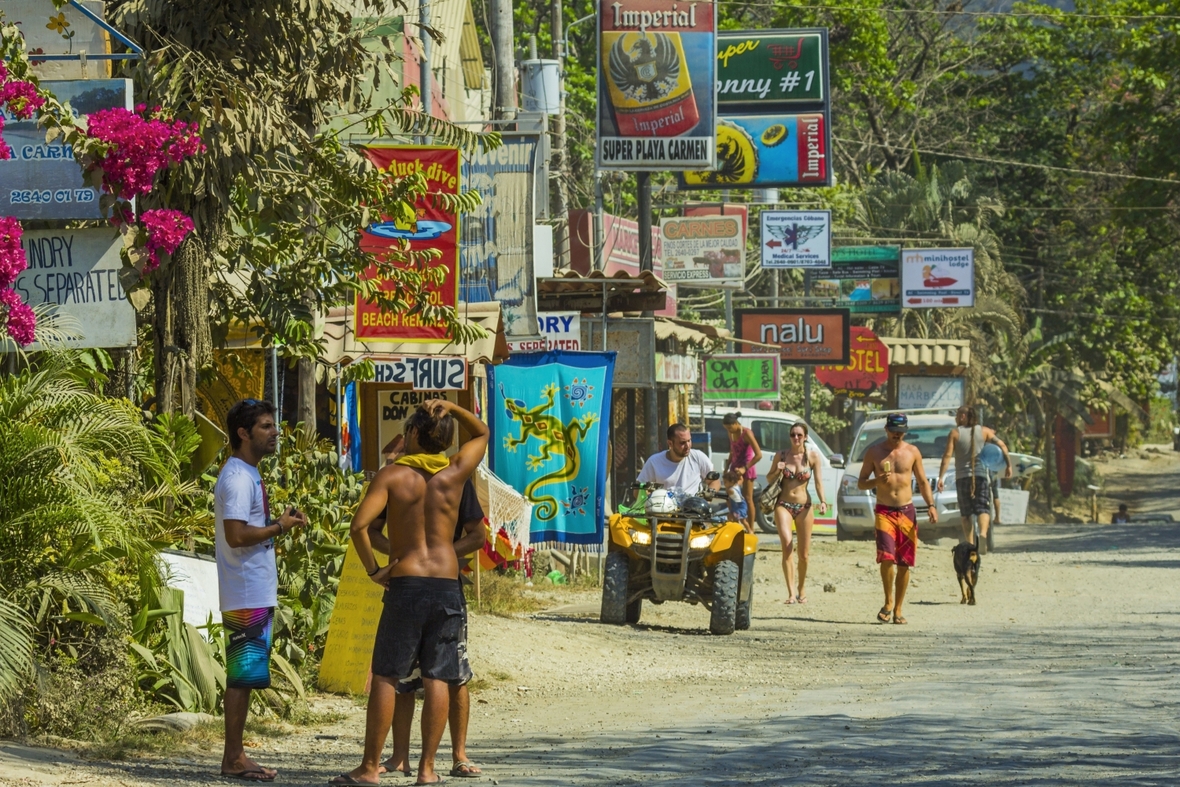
(943, 278)
(767, 152)
(804, 337)
(434, 228)
(657, 85)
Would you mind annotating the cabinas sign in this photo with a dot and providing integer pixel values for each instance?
(804, 337)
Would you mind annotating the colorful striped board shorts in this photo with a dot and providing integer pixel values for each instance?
(897, 534)
(248, 635)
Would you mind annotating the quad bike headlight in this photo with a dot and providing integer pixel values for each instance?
(641, 537)
(700, 542)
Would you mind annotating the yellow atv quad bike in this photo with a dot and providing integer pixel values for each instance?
(665, 549)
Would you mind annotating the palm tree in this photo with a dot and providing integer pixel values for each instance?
(81, 479)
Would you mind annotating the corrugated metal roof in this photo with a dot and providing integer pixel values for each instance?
(955, 353)
(623, 292)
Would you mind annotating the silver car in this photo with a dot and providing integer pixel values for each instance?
(929, 432)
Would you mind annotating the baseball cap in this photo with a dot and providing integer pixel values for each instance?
(897, 422)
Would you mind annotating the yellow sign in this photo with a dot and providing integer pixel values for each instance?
(348, 652)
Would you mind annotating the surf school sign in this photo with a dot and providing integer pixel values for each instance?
(937, 278)
(435, 228)
(657, 72)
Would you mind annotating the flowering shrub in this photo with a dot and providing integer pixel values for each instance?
(165, 231)
(140, 144)
(126, 149)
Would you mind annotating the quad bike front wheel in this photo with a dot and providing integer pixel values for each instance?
(616, 580)
(725, 597)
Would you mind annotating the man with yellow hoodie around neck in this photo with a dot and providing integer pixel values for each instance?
(422, 619)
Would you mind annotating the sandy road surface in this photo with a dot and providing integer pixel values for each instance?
(1066, 672)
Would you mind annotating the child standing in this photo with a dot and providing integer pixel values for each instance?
(735, 497)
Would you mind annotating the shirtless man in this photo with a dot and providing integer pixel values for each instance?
(890, 468)
(422, 619)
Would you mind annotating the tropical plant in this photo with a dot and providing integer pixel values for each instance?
(305, 474)
(80, 478)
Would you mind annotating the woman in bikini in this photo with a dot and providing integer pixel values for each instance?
(744, 455)
(798, 466)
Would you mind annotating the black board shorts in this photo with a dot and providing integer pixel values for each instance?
(971, 505)
(422, 625)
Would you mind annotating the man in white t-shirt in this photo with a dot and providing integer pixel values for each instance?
(247, 578)
(682, 468)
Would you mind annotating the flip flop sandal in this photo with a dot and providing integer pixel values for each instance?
(383, 768)
(884, 615)
(465, 770)
(899, 620)
(801, 600)
(251, 775)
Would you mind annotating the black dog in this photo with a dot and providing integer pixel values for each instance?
(966, 558)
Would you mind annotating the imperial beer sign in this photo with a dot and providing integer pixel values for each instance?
(657, 85)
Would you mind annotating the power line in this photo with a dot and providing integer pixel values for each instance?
(938, 12)
(1010, 162)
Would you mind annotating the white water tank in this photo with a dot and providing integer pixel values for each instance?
(540, 86)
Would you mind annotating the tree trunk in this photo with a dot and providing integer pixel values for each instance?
(305, 406)
(181, 333)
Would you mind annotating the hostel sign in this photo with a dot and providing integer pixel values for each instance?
(657, 73)
(867, 369)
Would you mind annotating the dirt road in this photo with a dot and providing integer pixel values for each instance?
(1066, 672)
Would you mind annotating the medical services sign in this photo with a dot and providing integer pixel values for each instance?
(937, 278)
(657, 85)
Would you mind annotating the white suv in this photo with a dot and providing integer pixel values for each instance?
(929, 431)
(772, 430)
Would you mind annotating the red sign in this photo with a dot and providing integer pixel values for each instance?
(620, 249)
(434, 228)
(867, 369)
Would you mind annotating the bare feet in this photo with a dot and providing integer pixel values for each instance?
(791, 600)
(801, 600)
(246, 769)
(389, 766)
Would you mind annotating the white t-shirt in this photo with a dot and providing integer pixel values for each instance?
(684, 477)
(247, 577)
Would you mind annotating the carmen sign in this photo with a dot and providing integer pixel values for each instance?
(805, 337)
(656, 85)
(867, 369)
(771, 68)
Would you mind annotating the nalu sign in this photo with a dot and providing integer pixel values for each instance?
(804, 337)
(425, 373)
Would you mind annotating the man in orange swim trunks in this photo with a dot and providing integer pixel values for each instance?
(890, 468)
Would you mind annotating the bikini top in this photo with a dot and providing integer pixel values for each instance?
(802, 475)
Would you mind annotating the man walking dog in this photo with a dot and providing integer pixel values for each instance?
(890, 468)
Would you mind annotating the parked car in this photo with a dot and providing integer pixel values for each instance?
(772, 429)
(929, 431)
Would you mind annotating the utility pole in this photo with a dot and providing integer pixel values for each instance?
(652, 415)
(424, 67)
(560, 193)
(806, 369)
(504, 69)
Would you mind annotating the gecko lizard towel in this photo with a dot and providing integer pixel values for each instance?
(549, 442)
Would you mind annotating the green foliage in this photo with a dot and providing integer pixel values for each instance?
(791, 400)
(78, 477)
(305, 474)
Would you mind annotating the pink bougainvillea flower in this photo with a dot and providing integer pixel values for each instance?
(22, 323)
(12, 255)
(21, 98)
(140, 145)
(166, 230)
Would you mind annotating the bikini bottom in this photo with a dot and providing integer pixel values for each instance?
(796, 508)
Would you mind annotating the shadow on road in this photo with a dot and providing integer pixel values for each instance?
(1058, 538)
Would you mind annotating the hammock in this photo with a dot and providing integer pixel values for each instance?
(504, 507)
